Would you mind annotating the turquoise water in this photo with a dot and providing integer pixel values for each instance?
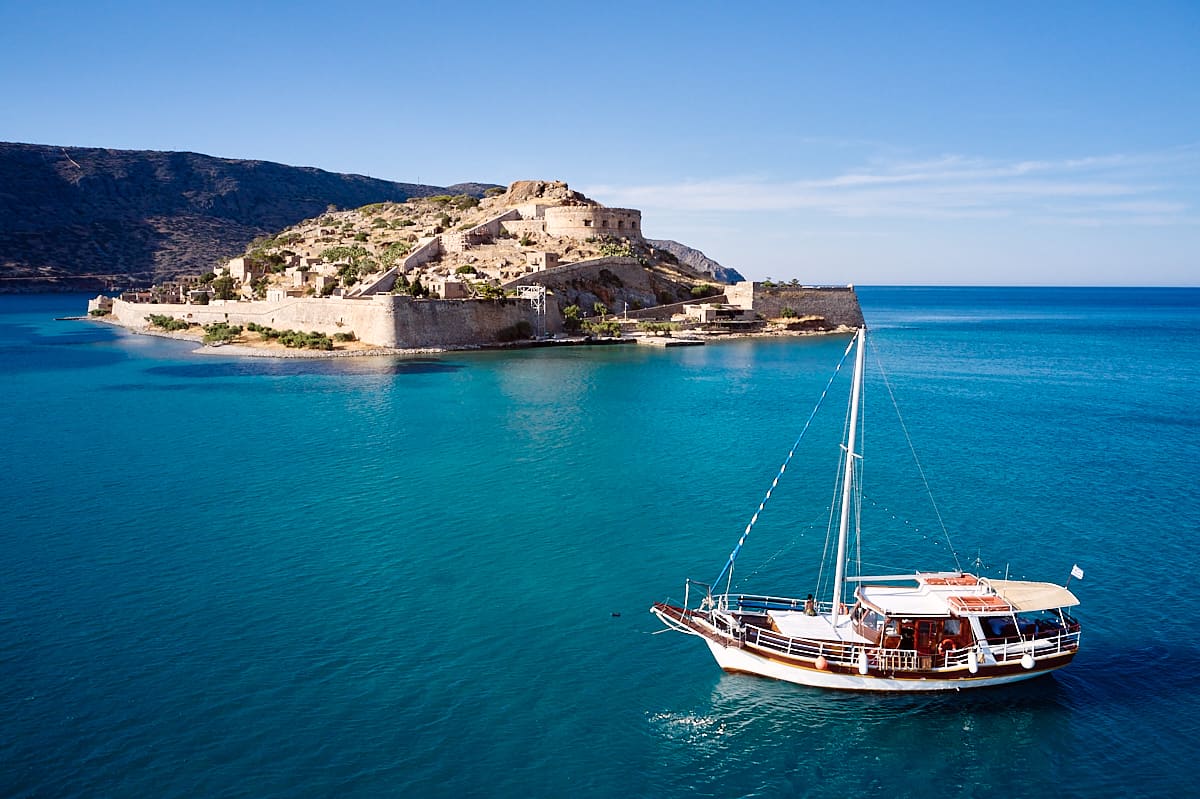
(245, 577)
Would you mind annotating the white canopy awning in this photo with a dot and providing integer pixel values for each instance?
(1025, 595)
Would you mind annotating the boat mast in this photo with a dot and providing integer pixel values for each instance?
(839, 575)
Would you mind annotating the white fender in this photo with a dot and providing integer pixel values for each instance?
(862, 661)
(972, 661)
(1027, 660)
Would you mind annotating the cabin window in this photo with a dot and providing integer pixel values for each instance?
(952, 626)
(872, 620)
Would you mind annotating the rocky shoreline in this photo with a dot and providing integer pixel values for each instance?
(277, 351)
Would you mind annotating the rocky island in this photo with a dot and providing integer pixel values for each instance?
(532, 261)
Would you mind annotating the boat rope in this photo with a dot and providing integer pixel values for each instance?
(920, 469)
(728, 568)
(806, 528)
(830, 537)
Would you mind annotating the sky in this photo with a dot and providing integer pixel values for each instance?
(884, 143)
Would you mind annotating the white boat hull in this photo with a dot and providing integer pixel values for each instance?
(741, 660)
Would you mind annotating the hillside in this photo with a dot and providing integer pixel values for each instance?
(462, 246)
(698, 261)
(74, 218)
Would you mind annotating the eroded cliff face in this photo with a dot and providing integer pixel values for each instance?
(75, 218)
(691, 257)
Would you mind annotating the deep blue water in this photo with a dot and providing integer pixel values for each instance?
(246, 577)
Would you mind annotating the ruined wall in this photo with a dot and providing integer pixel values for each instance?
(585, 221)
(613, 281)
(490, 229)
(519, 227)
(422, 254)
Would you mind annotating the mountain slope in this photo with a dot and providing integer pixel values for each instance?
(136, 216)
(698, 260)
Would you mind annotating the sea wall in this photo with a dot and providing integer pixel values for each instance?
(837, 304)
(384, 319)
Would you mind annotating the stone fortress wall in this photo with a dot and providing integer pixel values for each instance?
(384, 319)
(837, 304)
(585, 221)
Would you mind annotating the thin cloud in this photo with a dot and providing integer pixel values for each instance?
(1118, 188)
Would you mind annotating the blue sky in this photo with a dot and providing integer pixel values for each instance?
(872, 143)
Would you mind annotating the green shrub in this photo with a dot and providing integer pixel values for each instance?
(616, 248)
(609, 328)
(99, 312)
(488, 291)
(466, 269)
(296, 339)
(220, 332)
(224, 287)
(164, 322)
(344, 336)
(704, 290)
(464, 201)
(571, 320)
(360, 236)
(352, 254)
(788, 313)
(494, 191)
(441, 199)
(395, 252)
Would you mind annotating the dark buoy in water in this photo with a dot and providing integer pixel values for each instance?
(616, 614)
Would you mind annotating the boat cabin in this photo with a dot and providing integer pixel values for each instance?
(944, 612)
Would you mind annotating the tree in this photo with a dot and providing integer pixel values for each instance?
(571, 321)
(599, 308)
(488, 291)
(224, 287)
(220, 332)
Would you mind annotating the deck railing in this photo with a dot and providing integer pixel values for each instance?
(849, 653)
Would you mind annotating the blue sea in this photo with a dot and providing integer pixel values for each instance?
(430, 577)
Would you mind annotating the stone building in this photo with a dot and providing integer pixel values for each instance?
(587, 221)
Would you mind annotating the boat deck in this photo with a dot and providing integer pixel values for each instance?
(797, 624)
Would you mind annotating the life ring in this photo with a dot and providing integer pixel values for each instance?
(945, 646)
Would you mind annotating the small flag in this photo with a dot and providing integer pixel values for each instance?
(1077, 572)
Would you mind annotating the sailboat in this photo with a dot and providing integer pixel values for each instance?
(923, 631)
